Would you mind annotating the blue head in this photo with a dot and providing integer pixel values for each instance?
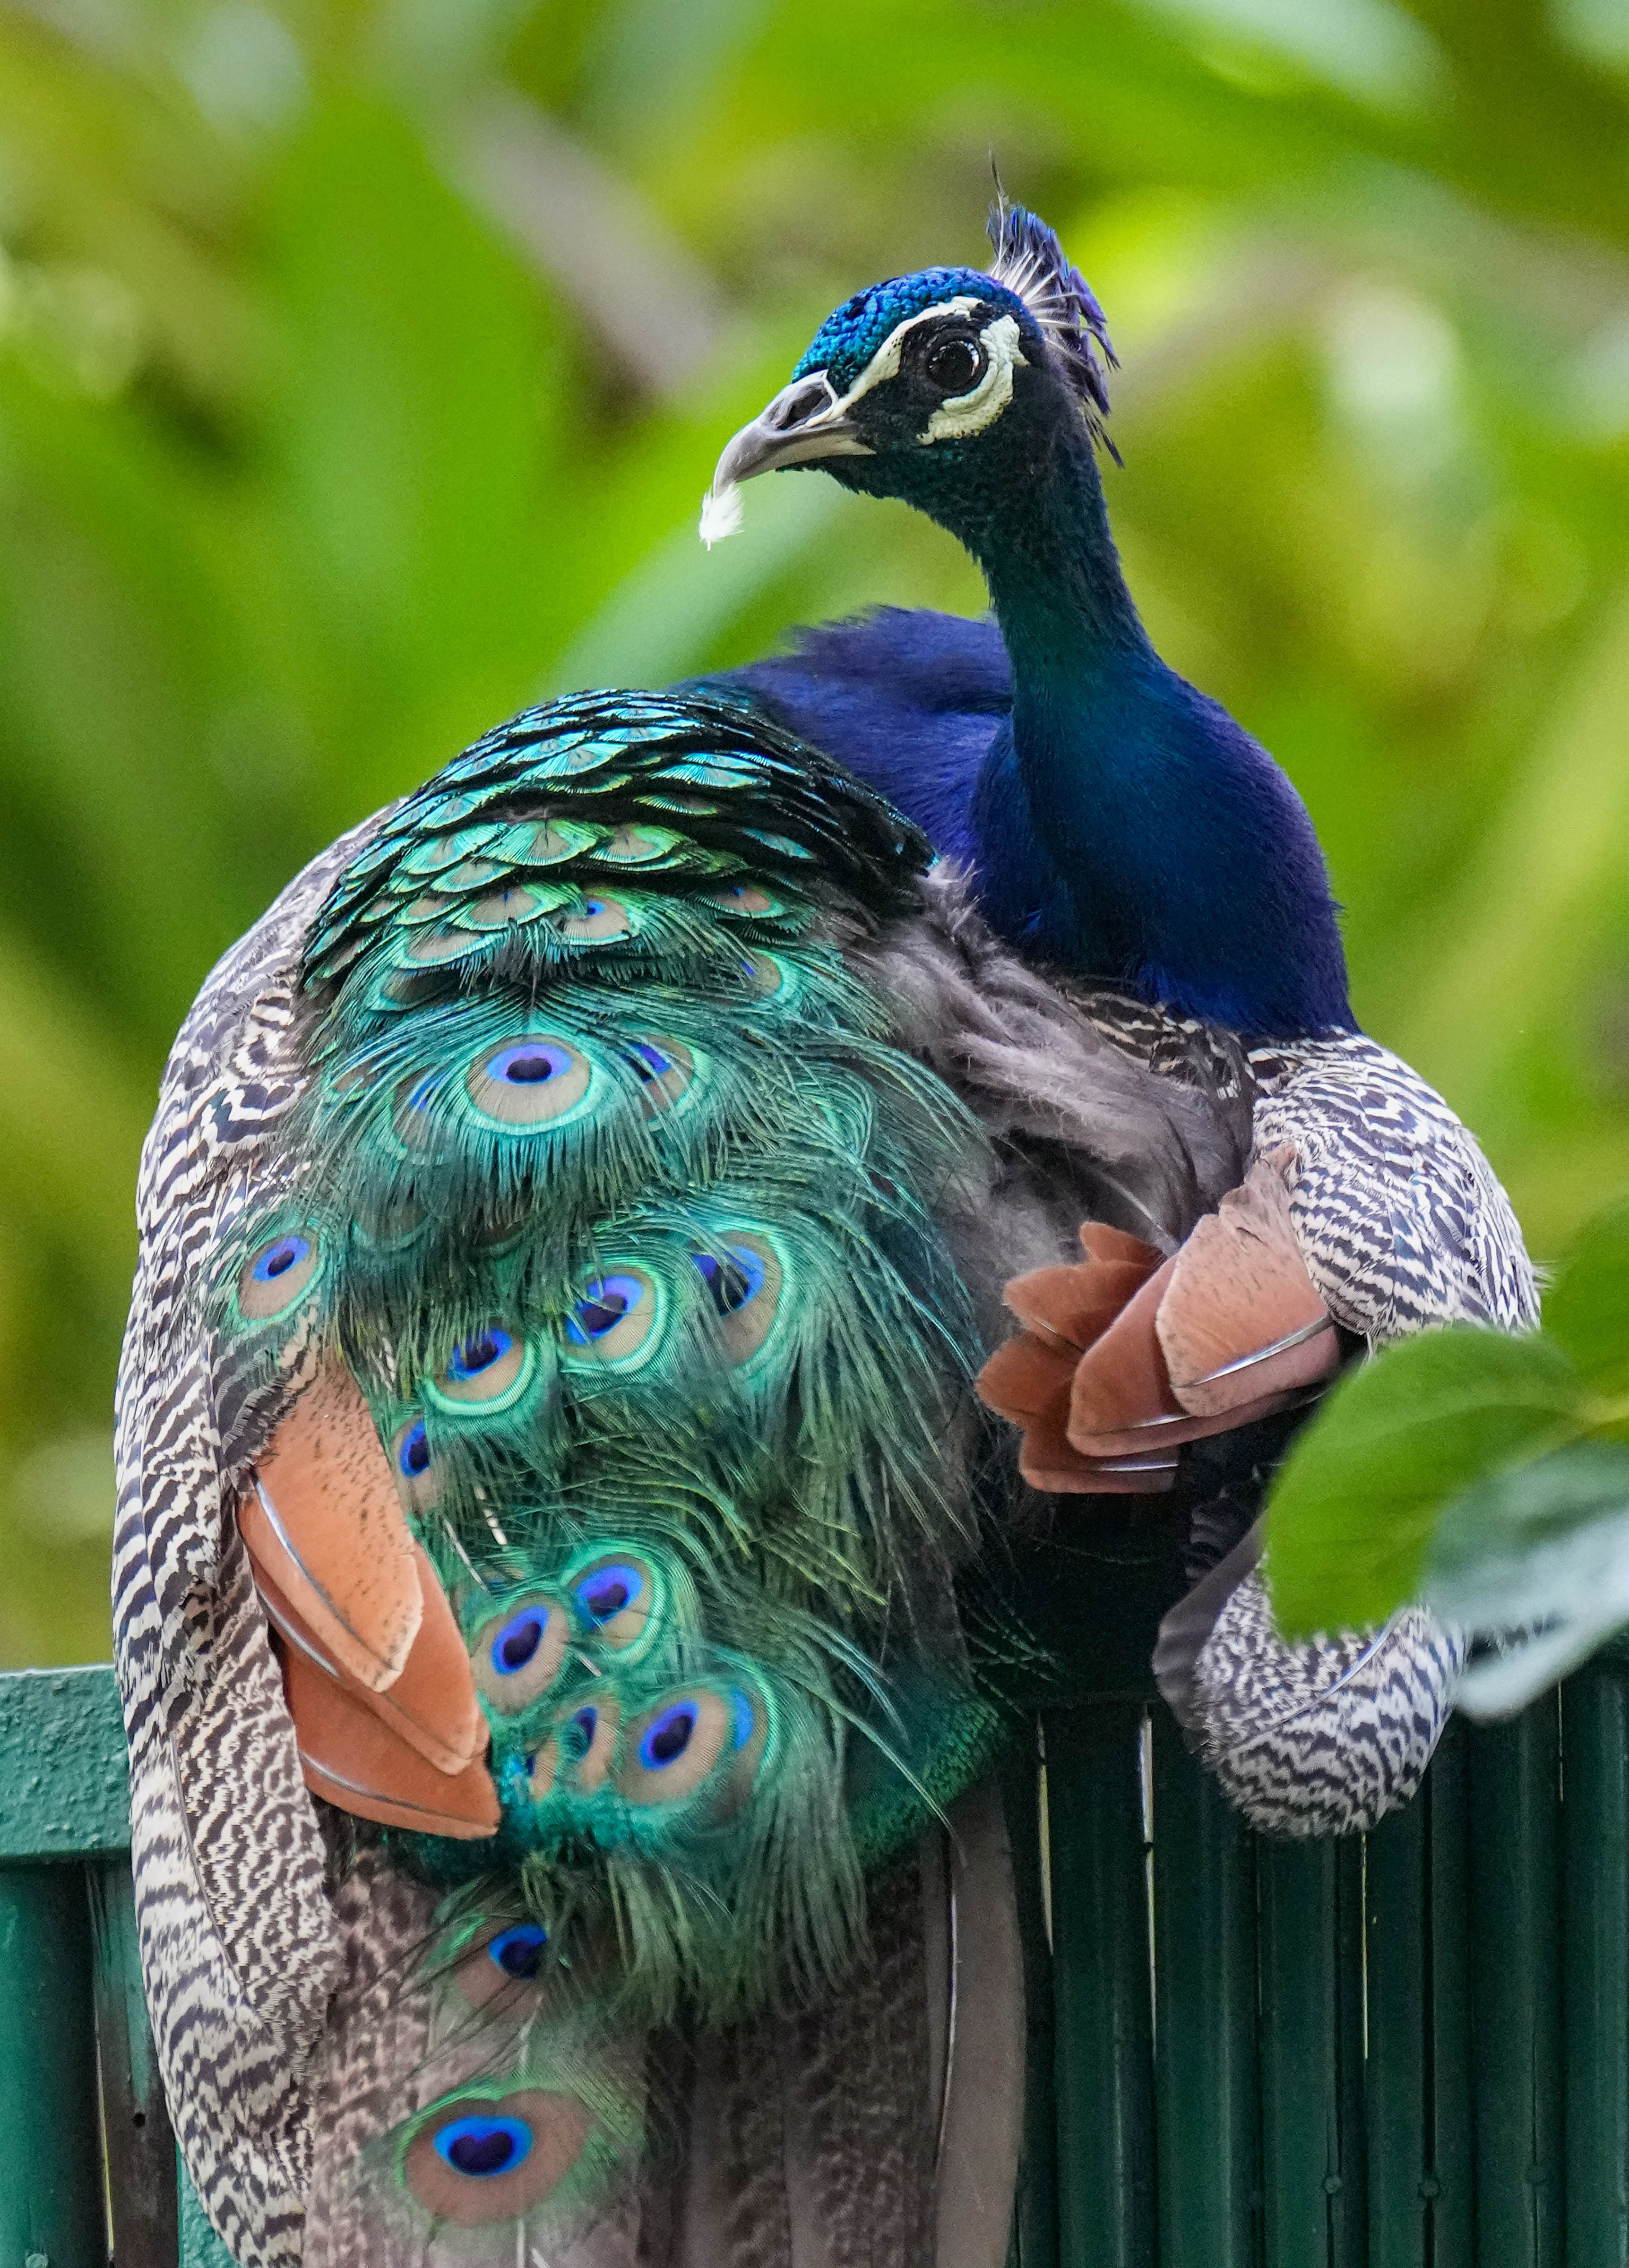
(949, 388)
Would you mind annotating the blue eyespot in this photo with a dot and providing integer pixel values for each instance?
(414, 1455)
(478, 1354)
(593, 906)
(519, 1640)
(278, 1258)
(667, 1736)
(519, 1952)
(734, 1281)
(606, 1593)
(602, 1307)
(650, 1061)
(479, 2147)
(528, 1063)
(741, 1720)
(583, 1727)
(418, 1097)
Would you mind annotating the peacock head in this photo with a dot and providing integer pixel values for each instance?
(950, 388)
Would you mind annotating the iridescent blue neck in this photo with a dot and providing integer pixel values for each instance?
(1125, 826)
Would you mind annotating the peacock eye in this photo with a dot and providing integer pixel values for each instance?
(519, 1952)
(955, 365)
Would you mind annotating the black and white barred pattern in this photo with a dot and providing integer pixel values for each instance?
(1326, 1737)
(1400, 1218)
(1402, 1225)
(239, 1946)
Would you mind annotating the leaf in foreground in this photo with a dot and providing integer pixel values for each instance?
(1538, 1557)
(1351, 1518)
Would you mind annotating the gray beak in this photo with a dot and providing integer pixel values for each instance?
(803, 423)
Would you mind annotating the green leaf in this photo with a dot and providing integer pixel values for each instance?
(1352, 1515)
(1588, 1311)
(1542, 1550)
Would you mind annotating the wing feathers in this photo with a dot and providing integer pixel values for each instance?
(326, 1526)
(1123, 1357)
(351, 1758)
(1242, 1318)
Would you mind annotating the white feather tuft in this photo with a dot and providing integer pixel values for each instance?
(721, 513)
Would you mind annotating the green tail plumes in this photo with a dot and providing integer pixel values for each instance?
(619, 1206)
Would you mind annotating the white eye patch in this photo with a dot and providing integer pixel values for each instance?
(971, 412)
(885, 363)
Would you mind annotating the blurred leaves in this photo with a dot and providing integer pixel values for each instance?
(362, 364)
(1486, 1475)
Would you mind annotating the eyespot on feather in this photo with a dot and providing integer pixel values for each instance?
(517, 1653)
(471, 875)
(332, 965)
(529, 1080)
(765, 976)
(586, 1740)
(744, 898)
(616, 1598)
(743, 1278)
(482, 2160)
(598, 920)
(551, 842)
(392, 1229)
(411, 1114)
(503, 909)
(431, 947)
(636, 846)
(489, 1372)
(615, 1319)
(419, 1481)
(671, 1749)
(276, 1277)
(749, 1733)
(500, 1973)
(666, 1069)
(429, 906)
(542, 1769)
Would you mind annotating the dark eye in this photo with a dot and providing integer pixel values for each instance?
(955, 365)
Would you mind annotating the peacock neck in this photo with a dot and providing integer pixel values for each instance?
(1055, 579)
(1128, 827)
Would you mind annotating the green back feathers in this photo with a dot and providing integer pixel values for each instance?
(612, 1192)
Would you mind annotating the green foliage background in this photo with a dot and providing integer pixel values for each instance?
(362, 363)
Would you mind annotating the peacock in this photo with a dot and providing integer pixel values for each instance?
(1121, 831)
(568, 1415)
(551, 1483)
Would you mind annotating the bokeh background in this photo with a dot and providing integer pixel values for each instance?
(362, 363)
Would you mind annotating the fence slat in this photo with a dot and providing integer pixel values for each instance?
(1417, 2073)
(1101, 1987)
(51, 2195)
(1035, 2209)
(1205, 1987)
(1595, 1952)
(1310, 1924)
(141, 2148)
(1516, 2003)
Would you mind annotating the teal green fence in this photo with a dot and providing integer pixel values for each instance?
(1410, 2050)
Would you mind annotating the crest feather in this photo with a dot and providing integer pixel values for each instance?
(1031, 263)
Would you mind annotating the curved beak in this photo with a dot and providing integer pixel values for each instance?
(804, 422)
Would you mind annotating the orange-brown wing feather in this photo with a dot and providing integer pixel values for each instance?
(323, 1523)
(350, 1756)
